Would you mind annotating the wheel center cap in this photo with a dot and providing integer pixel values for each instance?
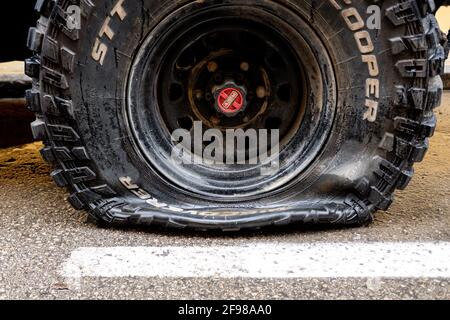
(230, 100)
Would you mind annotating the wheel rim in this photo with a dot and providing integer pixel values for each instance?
(171, 86)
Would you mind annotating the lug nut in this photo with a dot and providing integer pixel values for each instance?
(261, 92)
(245, 66)
(212, 66)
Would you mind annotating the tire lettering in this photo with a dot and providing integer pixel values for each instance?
(99, 51)
(355, 23)
(372, 64)
(372, 88)
(364, 41)
(106, 29)
(119, 10)
(351, 14)
(107, 33)
(372, 110)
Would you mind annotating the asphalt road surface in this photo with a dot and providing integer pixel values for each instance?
(50, 251)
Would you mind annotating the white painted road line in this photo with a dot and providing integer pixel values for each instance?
(265, 260)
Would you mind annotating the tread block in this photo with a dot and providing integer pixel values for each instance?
(427, 6)
(56, 106)
(34, 40)
(40, 5)
(402, 148)
(412, 97)
(50, 49)
(32, 67)
(432, 31)
(417, 42)
(62, 153)
(86, 7)
(38, 130)
(363, 186)
(405, 178)
(82, 174)
(63, 133)
(65, 154)
(54, 78)
(44, 7)
(387, 143)
(404, 12)
(419, 150)
(434, 99)
(76, 202)
(32, 97)
(434, 94)
(397, 45)
(417, 97)
(437, 62)
(414, 43)
(425, 129)
(67, 59)
(131, 208)
(73, 34)
(47, 154)
(411, 151)
(104, 190)
(65, 106)
(387, 171)
(102, 209)
(412, 68)
(80, 153)
(381, 201)
(87, 196)
(428, 127)
(405, 125)
(59, 178)
(400, 98)
(49, 105)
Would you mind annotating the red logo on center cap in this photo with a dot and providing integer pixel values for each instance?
(230, 100)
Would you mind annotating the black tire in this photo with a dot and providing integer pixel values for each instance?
(81, 107)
